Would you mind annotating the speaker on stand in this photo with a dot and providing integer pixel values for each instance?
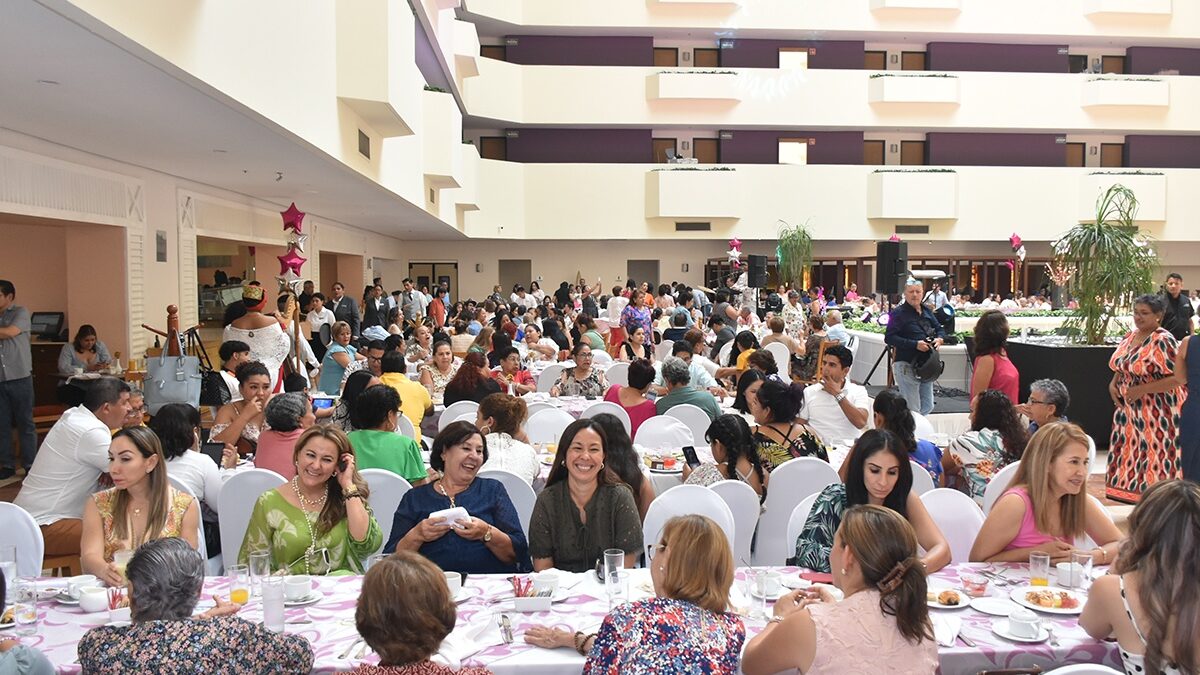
(756, 276)
(891, 266)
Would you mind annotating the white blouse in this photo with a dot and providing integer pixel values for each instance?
(509, 454)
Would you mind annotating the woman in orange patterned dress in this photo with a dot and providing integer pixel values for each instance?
(1147, 398)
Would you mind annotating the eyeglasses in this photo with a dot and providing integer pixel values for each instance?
(1034, 401)
(588, 355)
(655, 550)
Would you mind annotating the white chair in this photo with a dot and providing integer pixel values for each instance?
(958, 517)
(695, 418)
(998, 485)
(790, 483)
(618, 373)
(612, 409)
(797, 520)
(236, 503)
(536, 407)
(723, 355)
(404, 426)
(387, 489)
(549, 377)
(454, 411)
(1091, 454)
(601, 358)
(662, 431)
(18, 529)
(922, 481)
(782, 356)
(519, 493)
(213, 565)
(743, 503)
(852, 345)
(547, 425)
(663, 350)
(683, 500)
(924, 430)
(1084, 669)
(468, 417)
(1084, 542)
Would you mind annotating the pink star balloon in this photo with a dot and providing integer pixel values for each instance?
(1009, 264)
(290, 261)
(293, 218)
(1015, 240)
(894, 237)
(735, 243)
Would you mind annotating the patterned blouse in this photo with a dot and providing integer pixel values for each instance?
(278, 527)
(663, 635)
(593, 385)
(439, 380)
(419, 668)
(816, 539)
(773, 451)
(226, 644)
(632, 317)
(106, 500)
(982, 454)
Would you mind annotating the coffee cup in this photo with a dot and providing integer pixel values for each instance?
(771, 584)
(545, 583)
(93, 599)
(454, 583)
(1069, 574)
(78, 371)
(297, 587)
(76, 584)
(1024, 623)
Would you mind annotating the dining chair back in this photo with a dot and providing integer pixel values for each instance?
(958, 517)
(386, 491)
(790, 483)
(519, 492)
(236, 503)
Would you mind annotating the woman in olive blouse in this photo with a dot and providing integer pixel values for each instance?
(585, 508)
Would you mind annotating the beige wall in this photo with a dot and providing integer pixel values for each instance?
(38, 272)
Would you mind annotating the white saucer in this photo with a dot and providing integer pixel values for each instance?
(993, 605)
(964, 599)
(770, 596)
(310, 599)
(66, 600)
(796, 583)
(1000, 627)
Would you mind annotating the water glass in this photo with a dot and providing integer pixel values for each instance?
(1039, 569)
(25, 610)
(239, 584)
(614, 562)
(1081, 570)
(260, 568)
(272, 599)
(618, 590)
(760, 590)
(121, 558)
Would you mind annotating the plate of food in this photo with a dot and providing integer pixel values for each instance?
(946, 598)
(1049, 599)
(665, 463)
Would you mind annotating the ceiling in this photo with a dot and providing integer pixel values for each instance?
(70, 80)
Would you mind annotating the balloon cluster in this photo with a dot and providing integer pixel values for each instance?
(291, 262)
(1017, 247)
(735, 253)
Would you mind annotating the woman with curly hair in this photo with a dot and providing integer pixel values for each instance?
(997, 438)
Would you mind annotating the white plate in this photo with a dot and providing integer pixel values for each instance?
(771, 596)
(1000, 627)
(667, 471)
(1018, 596)
(964, 599)
(313, 596)
(993, 605)
(66, 599)
(466, 593)
(4, 610)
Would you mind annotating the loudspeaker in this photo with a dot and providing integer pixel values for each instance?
(891, 266)
(756, 276)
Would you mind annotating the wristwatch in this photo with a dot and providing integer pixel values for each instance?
(841, 396)
(488, 535)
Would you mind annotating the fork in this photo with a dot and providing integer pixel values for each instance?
(1053, 637)
(506, 629)
(346, 654)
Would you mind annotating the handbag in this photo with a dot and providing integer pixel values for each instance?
(929, 366)
(172, 379)
(213, 391)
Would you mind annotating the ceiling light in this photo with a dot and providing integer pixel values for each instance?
(49, 82)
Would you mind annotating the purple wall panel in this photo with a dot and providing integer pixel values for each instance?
(844, 54)
(1151, 60)
(762, 147)
(945, 149)
(978, 56)
(551, 50)
(1163, 152)
(605, 146)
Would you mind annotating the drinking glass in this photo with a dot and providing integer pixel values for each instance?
(1081, 570)
(121, 559)
(8, 566)
(758, 596)
(25, 611)
(260, 568)
(618, 589)
(1039, 569)
(372, 559)
(614, 562)
(272, 599)
(239, 584)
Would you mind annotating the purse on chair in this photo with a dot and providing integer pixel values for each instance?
(172, 379)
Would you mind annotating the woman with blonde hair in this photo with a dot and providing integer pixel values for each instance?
(141, 505)
(1150, 601)
(1047, 509)
(483, 341)
(685, 628)
(883, 623)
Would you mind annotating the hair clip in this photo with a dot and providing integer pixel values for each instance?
(776, 377)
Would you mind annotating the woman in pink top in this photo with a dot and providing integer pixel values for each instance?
(993, 370)
(633, 397)
(1047, 509)
(287, 415)
(882, 625)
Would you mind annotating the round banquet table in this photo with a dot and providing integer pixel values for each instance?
(328, 625)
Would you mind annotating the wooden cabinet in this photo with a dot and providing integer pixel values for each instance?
(45, 372)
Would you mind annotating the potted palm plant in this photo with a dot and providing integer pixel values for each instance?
(795, 252)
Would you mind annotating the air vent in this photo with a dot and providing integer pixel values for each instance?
(693, 227)
(364, 144)
(912, 229)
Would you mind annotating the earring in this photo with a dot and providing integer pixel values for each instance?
(601, 465)
(661, 568)
(843, 571)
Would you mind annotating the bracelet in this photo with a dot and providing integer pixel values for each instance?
(354, 495)
(581, 641)
(775, 619)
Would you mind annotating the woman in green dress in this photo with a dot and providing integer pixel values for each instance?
(319, 522)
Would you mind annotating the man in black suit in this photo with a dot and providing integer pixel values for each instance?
(344, 308)
(376, 310)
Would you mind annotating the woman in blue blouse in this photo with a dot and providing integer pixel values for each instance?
(491, 541)
(338, 358)
(85, 351)
(891, 413)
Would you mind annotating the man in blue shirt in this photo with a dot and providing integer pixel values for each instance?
(16, 384)
(913, 330)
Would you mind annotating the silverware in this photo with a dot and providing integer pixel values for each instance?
(506, 629)
(1053, 637)
(362, 651)
(346, 654)
(966, 640)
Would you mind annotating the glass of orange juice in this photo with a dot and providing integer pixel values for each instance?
(121, 558)
(239, 584)
(1039, 569)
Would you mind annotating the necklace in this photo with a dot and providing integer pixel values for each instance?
(442, 489)
(316, 506)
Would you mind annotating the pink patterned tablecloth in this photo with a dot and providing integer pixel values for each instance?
(329, 627)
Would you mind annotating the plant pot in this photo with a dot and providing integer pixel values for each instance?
(1084, 371)
(1058, 297)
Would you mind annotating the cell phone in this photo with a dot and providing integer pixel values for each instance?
(342, 464)
(689, 455)
(321, 403)
(215, 450)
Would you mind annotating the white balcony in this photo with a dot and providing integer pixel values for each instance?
(1149, 187)
(906, 194)
(933, 5)
(466, 49)
(686, 193)
(382, 90)
(1124, 91)
(1160, 8)
(936, 89)
(441, 137)
(677, 86)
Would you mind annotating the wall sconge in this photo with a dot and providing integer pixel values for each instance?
(685, 145)
(684, 267)
(1094, 150)
(895, 147)
(687, 56)
(478, 267)
(895, 58)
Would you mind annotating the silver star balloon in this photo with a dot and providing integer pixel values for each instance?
(290, 281)
(299, 241)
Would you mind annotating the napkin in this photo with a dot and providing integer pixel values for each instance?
(468, 640)
(945, 628)
(739, 603)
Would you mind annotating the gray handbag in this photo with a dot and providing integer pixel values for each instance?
(172, 379)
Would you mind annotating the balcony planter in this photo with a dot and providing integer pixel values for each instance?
(683, 193)
(926, 194)
(937, 89)
(934, 5)
(1122, 91)
(1142, 7)
(679, 86)
(1149, 187)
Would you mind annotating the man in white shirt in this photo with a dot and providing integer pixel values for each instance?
(836, 407)
(70, 461)
(936, 297)
(834, 328)
(520, 300)
(233, 354)
(412, 302)
(698, 376)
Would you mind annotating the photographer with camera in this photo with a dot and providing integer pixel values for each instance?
(915, 333)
